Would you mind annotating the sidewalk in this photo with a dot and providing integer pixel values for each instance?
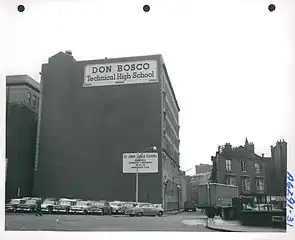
(174, 212)
(235, 226)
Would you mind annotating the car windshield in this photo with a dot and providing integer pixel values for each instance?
(129, 205)
(31, 202)
(100, 204)
(65, 203)
(48, 202)
(116, 204)
(81, 203)
(143, 205)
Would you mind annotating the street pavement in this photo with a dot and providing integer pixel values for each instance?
(192, 221)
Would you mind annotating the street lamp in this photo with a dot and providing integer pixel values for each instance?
(154, 148)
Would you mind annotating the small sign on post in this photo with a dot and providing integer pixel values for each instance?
(147, 162)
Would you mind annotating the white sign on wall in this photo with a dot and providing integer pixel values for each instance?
(147, 162)
(120, 73)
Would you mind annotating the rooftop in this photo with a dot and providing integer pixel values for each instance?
(22, 80)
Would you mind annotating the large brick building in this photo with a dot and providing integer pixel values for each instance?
(240, 166)
(22, 103)
(94, 111)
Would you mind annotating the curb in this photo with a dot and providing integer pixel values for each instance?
(219, 229)
(173, 213)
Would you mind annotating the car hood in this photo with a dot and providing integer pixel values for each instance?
(116, 207)
(61, 206)
(79, 207)
(46, 204)
(134, 209)
(159, 208)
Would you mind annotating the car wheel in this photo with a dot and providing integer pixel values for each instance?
(131, 215)
(140, 214)
(160, 214)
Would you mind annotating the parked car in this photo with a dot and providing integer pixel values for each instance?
(13, 204)
(190, 206)
(64, 205)
(116, 205)
(95, 209)
(48, 205)
(27, 206)
(125, 206)
(105, 207)
(81, 207)
(145, 209)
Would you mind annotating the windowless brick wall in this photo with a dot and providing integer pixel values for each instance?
(85, 131)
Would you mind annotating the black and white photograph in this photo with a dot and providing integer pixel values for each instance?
(148, 116)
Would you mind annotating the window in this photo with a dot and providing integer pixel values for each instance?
(231, 181)
(257, 167)
(244, 166)
(259, 184)
(228, 165)
(28, 97)
(246, 183)
(34, 101)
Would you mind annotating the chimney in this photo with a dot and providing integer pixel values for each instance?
(69, 52)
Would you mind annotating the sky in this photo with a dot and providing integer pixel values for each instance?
(230, 61)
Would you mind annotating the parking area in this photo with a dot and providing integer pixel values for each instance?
(176, 222)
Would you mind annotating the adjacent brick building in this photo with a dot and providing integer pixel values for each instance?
(88, 121)
(22, 103)
(203, 168)
(278, 168)
(240, 166)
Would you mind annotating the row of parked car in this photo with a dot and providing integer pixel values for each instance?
(86, 207)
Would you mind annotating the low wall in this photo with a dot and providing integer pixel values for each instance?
(274, 219)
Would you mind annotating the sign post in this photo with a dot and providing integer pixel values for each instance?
(140, 163)
(136, 187)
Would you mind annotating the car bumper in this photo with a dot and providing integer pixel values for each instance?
(10, 209)
(132, 212)
(24, 209)
(95, 211)
(76, 210)
(59, 210)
